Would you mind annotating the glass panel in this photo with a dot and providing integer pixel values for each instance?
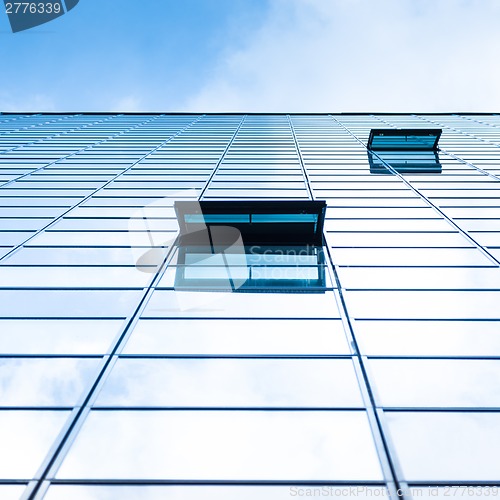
(289, 274)
(447, 204)
(218, 218)
(337, 182)
(218, 183)
(238, 337)
(232, 383)
(280, 218)
(12, 238)
(382, 212)
(354, 194)
(479, 224)
(352, 204)
(145, 193)
(5, 251)
(487, 239)
(424, 304)
(419, 278)
(68, 303)
(474, 213)
(255, 193)
(388, 225)
(44, 382)
(11, 491)
(429, 338)
(409, 257)
(93, 238)
(31, 211)
(443, 194)
(197, 492)
(237, 445)
(48, 201)
(126, 207)
(57, 336)
(428, 447)
(42, 182)
(23, 224)
(437, 382)
(101, 224)
(72, 256)
(397, 240)
(175, 304)
(71, 277)
(26, 437)
(281, 258)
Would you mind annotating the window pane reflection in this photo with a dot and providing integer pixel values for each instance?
(424, 304)
(428, 447)
(72, 256)
(238, 445)
(437, 382)
(26, 437)
(232, 383)
(399, 278)
(429, 338)
(11, 491)
(279, 337)
(69, 277)
(409, 257)
(23, 336)
(45, 381)
(69, 303)
(218, 304)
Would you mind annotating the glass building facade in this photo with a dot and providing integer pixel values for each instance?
(368, 367)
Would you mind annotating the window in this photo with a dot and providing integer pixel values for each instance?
(250, 245)
(258, 222)
(397, 139)
(412, 151)
(410, 162)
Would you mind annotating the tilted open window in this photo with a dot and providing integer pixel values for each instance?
(408, 151)
(404, 139)
(259, 222)
(250, 245)
(422, 162)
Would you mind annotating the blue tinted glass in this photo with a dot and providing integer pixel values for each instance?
(284, 218)
(224, 445)
(219, 218)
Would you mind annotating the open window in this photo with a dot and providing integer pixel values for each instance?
(405, 139)
(408, 163)
(258, 222)
(408, 151)
(250, 246)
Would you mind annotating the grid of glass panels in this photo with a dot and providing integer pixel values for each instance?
(116, 384)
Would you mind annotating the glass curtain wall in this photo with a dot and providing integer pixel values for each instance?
(116, 383)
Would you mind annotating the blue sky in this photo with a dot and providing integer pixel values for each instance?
(257, 55)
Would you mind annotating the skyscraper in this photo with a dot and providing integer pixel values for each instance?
(133, 366)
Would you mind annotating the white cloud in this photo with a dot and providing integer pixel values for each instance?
(30, 103)
(126, 104)
(362, 55)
